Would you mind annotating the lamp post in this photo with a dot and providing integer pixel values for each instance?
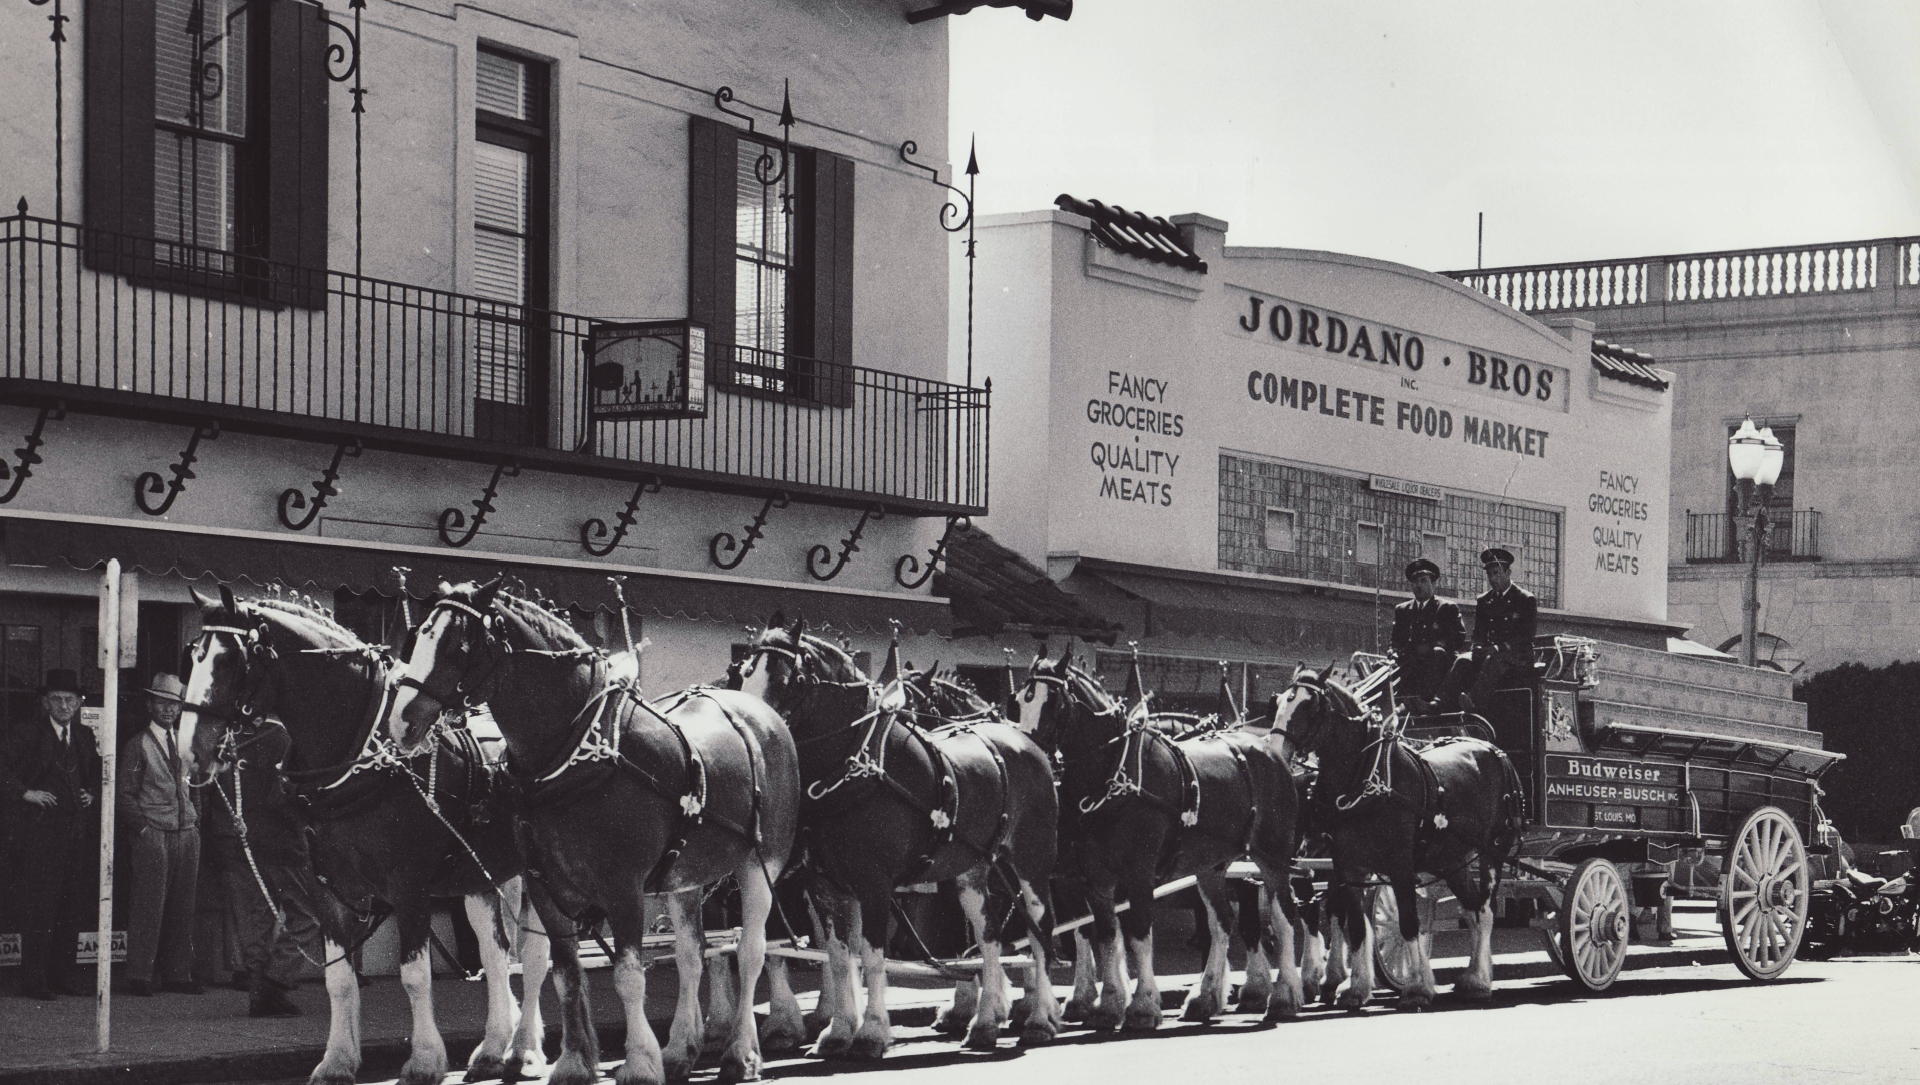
(1756, 456)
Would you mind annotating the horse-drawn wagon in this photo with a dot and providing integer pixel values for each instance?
(1633, 761)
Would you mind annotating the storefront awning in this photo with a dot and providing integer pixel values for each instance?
(994, 589)
(1274, 618)
(320, 566)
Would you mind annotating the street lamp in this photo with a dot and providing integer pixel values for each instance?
(1756, 456)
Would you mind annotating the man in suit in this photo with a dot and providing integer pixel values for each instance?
(156, 805)
(50, 772)
(1428, 635)
(1505, 618)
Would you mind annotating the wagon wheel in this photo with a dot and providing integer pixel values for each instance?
(1594, 917)
(1763, 894)
(1393, 966)
(1550, 934)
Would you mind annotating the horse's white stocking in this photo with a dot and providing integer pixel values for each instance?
(1203, 1002)
(876, 1029)
(1043, 1020)
(1286, 997)
(837, 986)
(1358, 987)
(342, 1060)
(1143, 1012)
(741, 1062)
(1335, 945)
(785, 1029)
(644, 1065)
(826, 1005)
(1086, 991)
(1424, 990)
(427, 1064)
(488, 1060)
(984, 1032)
(957, 1017)
(1476, 983)
(1315, 972)
(720, 1006)
(527, 1056)
(683, 1039)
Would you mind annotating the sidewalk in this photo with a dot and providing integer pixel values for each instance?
(182, 1039)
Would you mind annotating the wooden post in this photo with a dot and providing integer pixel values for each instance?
(108, 737)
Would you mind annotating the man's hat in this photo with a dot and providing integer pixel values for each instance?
(1495, 553)
(62, 680)
(166, 687)
(1422, 565)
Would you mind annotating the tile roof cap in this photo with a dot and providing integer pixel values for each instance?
(1135, 234)
(1627, 365)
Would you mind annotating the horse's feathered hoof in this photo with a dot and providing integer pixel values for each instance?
(1352, 1000)
(1474, 993)
(736, 1068)
(1036, 1035)
(867, 1048)
(521, 1066)
(675, 1069)
(422, 1075)
(1279, 1010)
(1413, 1004)
(782, 1038)
(831, 1047)
(572, 1070)
(1099, 1017)
(982, 1038)
(1076, 1010)
(952, 1021)
(1200, 1008)
(486, 1068)
(1251, 1003)
(1141, 1019)
(326, 1076)
(816, 1024)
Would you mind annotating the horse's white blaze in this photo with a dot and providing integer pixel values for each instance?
(756, 677)
(1033, 702)
(199, 688)
(419, 665)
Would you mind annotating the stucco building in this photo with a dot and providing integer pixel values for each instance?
(1820, 342)
(1233, 452)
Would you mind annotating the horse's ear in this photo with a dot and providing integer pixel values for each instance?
(483, 596)
(1066, 651)
(205, 602)
(226, 599)
(442, 590)
(798, 629)
(778, 621)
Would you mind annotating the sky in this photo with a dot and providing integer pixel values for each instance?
(1382, 127)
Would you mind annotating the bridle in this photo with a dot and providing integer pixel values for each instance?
(1383, 739)
(478, 671)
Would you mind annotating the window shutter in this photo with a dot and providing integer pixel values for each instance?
(117, 158)
(833, 279)
(296, 152)
(710, 239)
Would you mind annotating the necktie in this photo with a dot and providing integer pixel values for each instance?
(179, 792)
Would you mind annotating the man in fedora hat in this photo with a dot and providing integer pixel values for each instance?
(1428, 635)
(156, 805)
(1505, 618)
(50, 773)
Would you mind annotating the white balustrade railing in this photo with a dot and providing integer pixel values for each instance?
(1785, 271)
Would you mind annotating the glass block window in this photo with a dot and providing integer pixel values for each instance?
(1277, 530)
(1329, 508)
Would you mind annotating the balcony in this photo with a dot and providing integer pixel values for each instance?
(180, 335)
(1834, 268)
(1717, 538)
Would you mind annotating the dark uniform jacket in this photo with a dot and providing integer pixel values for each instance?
(1425, 638)
(1505, 622)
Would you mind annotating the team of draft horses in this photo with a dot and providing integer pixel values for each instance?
(848, 787)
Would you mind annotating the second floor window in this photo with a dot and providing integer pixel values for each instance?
(205, 158)
(511, 243)
(770, 267)
(202, 163)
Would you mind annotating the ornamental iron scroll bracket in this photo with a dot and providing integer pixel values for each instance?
(724, 542)
(324, 489)
(818, 554)
(764, 170)
(30, 454)
(150, 482)
(453, 520)
(596, 528)
(954, 217)
(905, 569)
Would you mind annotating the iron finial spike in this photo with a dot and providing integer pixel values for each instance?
(786, 104)
(22, 205)
(973, 157)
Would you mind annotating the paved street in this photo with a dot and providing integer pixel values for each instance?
(1849, 1020)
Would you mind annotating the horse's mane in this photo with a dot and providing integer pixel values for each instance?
(541, 619)
(1090, 687)
(840, 665)
(322, 626)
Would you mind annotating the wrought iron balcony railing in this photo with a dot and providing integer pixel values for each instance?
(148, 329)
(1717, 537)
